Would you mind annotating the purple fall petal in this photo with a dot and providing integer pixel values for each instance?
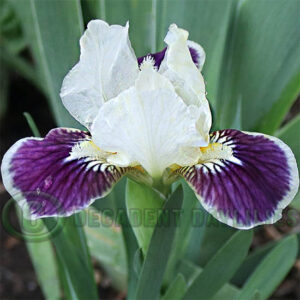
(41, 174)
(253, 187)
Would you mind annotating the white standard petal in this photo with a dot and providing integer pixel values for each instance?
(107, 67)
(150, 125)
(179, 68)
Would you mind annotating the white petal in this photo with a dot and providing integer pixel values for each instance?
(107, 67)
(179, 67)
(149, 124)
(149, 80)
(204, 121)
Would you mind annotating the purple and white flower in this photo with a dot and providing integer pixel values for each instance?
(148, 118)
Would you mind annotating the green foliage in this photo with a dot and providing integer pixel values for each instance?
(4, 75)
(220, 269)
(55, 47)
(191, 271)
(271, 270)
(12, 43)
(42, 257)
(32, 124)
(250, 263)
(143, 208)
(106, 244)
(74, 259)
(176, 289)
(44, 262)
(142, 16)
(150, 278)
(185, 240)
(216, 234)
(260, 61)
(11, 36)
(115, 202)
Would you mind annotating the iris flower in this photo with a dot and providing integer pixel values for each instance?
(148, 118)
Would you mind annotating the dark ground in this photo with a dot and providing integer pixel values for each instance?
(18, 280)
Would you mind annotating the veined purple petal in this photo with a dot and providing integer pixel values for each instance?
(246, 180)
(44, 176)
(159, 56)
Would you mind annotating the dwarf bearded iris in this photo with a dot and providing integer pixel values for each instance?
(148, 118)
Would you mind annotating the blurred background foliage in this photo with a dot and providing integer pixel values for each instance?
(252, 72)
